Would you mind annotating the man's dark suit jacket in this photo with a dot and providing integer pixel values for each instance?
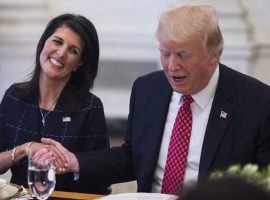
(243, 136)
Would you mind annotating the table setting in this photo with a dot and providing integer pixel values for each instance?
(41, 182)
(12, 191)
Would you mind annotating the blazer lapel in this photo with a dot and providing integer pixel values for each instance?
(220, 115)
(156, 110)
(160, 101)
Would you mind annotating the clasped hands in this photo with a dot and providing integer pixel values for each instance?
(52, 151)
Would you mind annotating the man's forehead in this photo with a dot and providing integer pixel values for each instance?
(178, 46)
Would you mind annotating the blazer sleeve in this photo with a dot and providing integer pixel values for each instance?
(95, 127)
(2, 123)
(3, 106)
(263, 141)
(111, 165)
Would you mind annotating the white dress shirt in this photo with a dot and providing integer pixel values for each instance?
(200, 109)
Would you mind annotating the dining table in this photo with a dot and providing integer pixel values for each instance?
(60, 195)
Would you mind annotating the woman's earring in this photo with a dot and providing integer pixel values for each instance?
(75, 69)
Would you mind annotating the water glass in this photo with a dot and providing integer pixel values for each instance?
(41, 178)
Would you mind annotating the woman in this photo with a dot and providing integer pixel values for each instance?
(56, 103)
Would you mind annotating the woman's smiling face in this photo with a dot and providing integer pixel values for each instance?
(61, 54)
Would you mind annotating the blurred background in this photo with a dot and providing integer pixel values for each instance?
(128, 48)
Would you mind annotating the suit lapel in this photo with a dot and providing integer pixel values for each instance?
(161, 100)
(220, 115)
(156, 110)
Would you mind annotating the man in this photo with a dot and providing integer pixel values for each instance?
(195, 116)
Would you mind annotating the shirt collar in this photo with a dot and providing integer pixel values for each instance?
(203, 97)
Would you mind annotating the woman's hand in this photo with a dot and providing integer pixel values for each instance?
(70, 163)
(32, 148)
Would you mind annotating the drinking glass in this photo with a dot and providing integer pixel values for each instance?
(41, 179)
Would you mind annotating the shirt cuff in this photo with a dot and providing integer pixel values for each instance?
(76, 176)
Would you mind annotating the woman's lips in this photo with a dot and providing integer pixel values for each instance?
(56, 62)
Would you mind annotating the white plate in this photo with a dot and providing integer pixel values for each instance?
(140, 196)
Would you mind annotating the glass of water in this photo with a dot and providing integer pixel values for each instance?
(41, 179)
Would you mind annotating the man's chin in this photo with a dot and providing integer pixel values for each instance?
(179, 90)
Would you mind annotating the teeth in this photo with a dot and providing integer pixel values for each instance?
(56, 62)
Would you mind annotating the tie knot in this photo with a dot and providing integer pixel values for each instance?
(187, 100)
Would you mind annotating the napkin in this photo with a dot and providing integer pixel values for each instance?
(7, 190)
(3, 183)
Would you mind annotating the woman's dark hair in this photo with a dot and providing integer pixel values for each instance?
(83, 78)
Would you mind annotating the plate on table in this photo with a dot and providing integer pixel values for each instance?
(140, 196)
(8, 190)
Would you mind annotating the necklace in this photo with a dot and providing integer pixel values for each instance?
(44, 116)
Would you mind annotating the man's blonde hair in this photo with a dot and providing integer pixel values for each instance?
(187, 22)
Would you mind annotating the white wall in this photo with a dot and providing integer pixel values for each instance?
(258, 16)
(126, 31)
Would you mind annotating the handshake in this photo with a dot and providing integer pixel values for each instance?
(52, 151)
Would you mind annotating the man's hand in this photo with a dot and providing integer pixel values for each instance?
(68, 164)
(45, 153)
